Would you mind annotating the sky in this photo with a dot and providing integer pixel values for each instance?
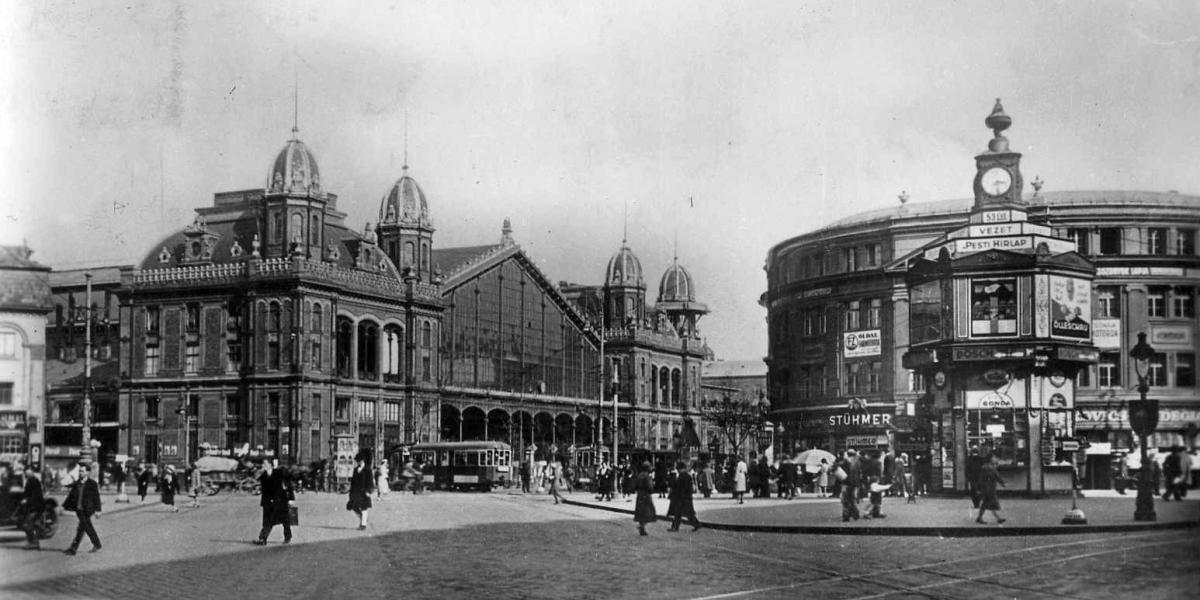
(709, 131)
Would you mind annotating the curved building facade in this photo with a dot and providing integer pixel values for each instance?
(842, 315)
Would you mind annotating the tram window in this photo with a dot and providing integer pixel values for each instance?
(489, 459)
(473, 459)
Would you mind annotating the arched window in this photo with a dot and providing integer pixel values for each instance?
(393, 342)
(297, 227)
(368, 350)
(345, 343)
(424, 257)
(314, 231)
(410, 254)
(426, 335)
(676, 376)
(273, 317)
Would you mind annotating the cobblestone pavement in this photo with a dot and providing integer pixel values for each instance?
(499, 545)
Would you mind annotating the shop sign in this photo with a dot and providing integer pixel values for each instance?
(858, 441)
(1071, 308)
(1138, 271)
(974, 353)
(1171, 335)
(860, 420)
(63, 451)
(861, 343)
(1106, 333)
(1168, 418)
(815, 292)
(993, 400)
(1077, 354)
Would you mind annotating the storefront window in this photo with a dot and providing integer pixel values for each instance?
(1001, 432)
(993, 307)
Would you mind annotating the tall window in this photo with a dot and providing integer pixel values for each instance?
(6, 393)
(152, 407)
(191, 359)
(391, 411)
(150, 448)
(273, 353)
(341, 409)
(1080, 237)
(315, 358)
(1182, 306)
(1108, 301)
(233, 356)
(152, 360)
(1157, 370)
(233, 406)
(852, 315)
(822, 321)
(193, 317)
(273, 405)
(875, 377)
(273, 317)
(808, 323)
(8, 344)
(366, 410)
(1185, 369)
(426, 335)
(851, 260)
(874, 254)
(1156, 301)
(1108, 370)
(153, 318)
(850, 378)
(1156, 241)
(1185, 242)
(317, 318)
(1110, 240)
(873, 313)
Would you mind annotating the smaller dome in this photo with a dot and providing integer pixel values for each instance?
(676, 285)
(405, 204)
(294, 170)
(624, 268)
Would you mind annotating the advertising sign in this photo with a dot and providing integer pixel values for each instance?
(1175, 336)
(1070, 308)
(990, 391)
(1106, 333)
(861, 343)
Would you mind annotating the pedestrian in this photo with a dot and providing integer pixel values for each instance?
(823, 477)
(168, 486)
(525, 477)
(989, 478)
(381, 479)
(681, 505)
(553, 473)
(604, 482)
(627, 477)
(740, 481)
(362, 482)
(787, 478)
(194, 483)
(143, 481)
(849, 475)
(643, 508)
(973, 466)
(277, 497)
(34, 500)
(87, 506)
(707, 481)
(876, 477)
(1176, 470)
(660, 478)
(118, 475)
(903, 479)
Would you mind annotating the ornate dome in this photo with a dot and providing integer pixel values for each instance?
(624, 269)
(294, 169)
(676, 285)
(405, 204)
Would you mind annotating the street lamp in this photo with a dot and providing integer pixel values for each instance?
(1143, 417)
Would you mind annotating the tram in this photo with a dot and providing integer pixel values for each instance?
(464, 465)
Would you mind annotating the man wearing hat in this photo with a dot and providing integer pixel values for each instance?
(169, 486)
(87, 505)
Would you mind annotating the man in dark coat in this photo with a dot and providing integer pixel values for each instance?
(277, 495)
(525, 477)
(681, 498)
(87, 505)
(643, 508)
(853, 470)
(35, 503)
(362, 483)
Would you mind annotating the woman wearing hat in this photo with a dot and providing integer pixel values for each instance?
(362, 482)
(169, 486)
(643, 508)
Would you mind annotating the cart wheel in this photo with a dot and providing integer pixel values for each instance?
(246, 485)
(210, 489)
(49, 524)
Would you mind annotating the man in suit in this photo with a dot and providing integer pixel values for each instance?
(87, 506)
(681, 498)
(277, 495)
(35, 503)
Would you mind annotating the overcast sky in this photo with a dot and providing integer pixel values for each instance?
(117, 119)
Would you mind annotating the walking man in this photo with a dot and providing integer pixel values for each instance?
(525, 477)
(681, 498)
(35, 502)
(87, 505)
(849, 465)
(277, 496)
(362, 482)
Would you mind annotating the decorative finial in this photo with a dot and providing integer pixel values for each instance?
(295, 103)
(625, 223)
(903, 198)
(1037, 184)
(998, 121)
(405, 167)
(506, 233)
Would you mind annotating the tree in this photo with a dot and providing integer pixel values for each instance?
(736, 417)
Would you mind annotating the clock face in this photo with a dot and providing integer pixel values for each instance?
(996, 181)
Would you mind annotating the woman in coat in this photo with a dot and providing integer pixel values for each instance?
(643, 508)
(169, 486)
(681, 506)
(739, 481)
(362, 483)
(989, 478)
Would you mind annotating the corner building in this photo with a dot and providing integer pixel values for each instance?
(1003, 321)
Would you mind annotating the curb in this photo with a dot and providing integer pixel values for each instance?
(945, 532)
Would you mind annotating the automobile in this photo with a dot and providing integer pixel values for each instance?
(12, 508)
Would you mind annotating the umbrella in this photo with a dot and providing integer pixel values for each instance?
(811, 459)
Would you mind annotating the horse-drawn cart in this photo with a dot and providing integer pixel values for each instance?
(217, 473)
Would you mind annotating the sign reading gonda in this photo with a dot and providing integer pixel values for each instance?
(861, 343)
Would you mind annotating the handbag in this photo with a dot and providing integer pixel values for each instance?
(293, 515)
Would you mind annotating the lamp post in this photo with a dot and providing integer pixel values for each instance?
(87, 453)
(1143, 417)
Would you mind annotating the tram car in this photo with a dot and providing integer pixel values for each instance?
(464, 465)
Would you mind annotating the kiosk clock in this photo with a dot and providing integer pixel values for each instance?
(996, 181)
